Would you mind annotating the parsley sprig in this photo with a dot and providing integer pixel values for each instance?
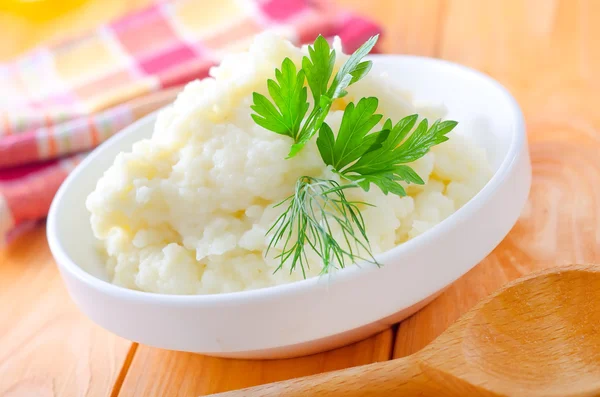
(362, 152)
(379, 157)
(290, 105)
(284, 115)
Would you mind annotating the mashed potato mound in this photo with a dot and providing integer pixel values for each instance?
(186, 211)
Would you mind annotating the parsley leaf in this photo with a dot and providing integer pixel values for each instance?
(378, 157)
(353, 70)
(326, 144)
(419, 143)
(318, 67)
(352, 141)
(387, 180)
(413, 148)
(290, 98)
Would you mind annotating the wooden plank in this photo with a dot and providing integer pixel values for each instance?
(156, 372)
(409, 26)
(47, 347)
(546, 54)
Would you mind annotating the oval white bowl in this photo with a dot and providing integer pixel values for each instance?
(319, 313)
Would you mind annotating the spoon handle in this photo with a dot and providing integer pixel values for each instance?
(388, 378)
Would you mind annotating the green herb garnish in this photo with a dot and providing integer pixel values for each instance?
(285, 114)
(316, 211)
(361, 153)
(289, 96)
(378, 157)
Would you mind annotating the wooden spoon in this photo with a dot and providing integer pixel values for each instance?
(536, 336)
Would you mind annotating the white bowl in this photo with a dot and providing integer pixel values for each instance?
(319, 313)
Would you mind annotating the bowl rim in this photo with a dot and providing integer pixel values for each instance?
(64, 262)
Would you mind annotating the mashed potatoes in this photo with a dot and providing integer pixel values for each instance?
(186, 211)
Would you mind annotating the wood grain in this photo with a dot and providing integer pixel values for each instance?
(543, 53)
(536, 337)
(156, 372)
(409, 26)
(47, 347)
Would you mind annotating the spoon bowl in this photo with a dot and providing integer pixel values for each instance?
(536, 336)
(529, 333)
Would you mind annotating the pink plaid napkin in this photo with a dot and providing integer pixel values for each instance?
(59, 102)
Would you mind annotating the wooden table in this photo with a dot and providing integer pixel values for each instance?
(546, 52)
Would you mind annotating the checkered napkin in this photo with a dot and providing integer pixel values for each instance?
(61, 101)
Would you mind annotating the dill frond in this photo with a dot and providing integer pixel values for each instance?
(315, 212)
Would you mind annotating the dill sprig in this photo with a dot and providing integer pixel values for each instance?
(317, 209)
